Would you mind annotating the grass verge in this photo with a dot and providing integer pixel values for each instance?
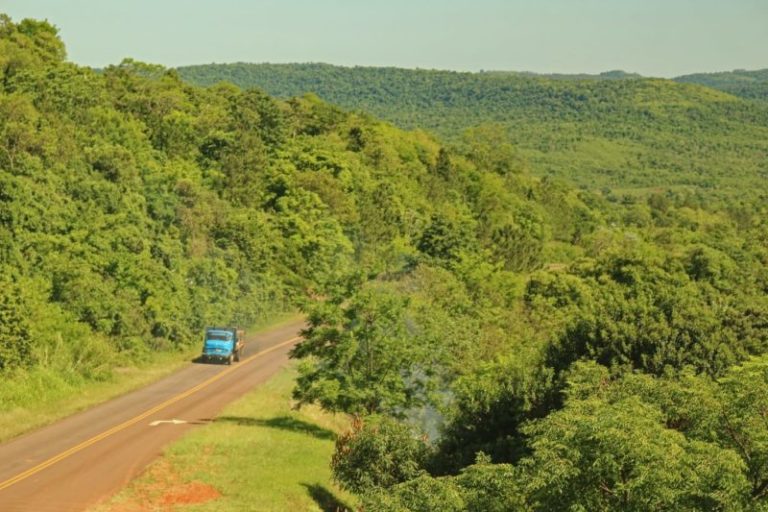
(41, 396)
(259, 455)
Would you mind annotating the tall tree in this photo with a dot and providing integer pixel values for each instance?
(360, 357)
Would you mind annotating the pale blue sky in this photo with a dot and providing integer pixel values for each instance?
(652, 37)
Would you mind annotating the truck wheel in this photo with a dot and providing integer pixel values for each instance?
(237, 355)
(230, 358)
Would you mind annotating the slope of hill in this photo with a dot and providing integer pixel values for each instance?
(740, 82)
(618, 134)
(136, 209)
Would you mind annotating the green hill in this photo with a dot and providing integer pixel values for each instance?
(618, 134)
(136, 209)
(740, 82)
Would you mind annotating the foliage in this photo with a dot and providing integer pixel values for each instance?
(491, 405)
(594, 455)
(15, 338)
(625, 134)
(363, 358)
(743, 427)
(377, 453)
(421, 494)
(740, 82)
(643, 316)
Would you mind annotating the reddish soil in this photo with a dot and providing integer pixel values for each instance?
(161, 490)
(193, 492)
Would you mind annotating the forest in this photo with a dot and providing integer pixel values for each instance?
(616, 132)
(503, 339)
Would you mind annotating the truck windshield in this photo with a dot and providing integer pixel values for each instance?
(223, 336)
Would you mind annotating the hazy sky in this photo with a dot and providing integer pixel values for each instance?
(652, 37)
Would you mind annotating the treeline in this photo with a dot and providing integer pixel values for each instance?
(615, 74)
(506, 341)
(624, 136)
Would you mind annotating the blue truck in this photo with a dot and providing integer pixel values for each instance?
(223, 344)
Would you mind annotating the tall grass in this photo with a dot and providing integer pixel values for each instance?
(69, 377)
(36, 397)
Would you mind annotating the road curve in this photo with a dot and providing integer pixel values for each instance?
(70, 465)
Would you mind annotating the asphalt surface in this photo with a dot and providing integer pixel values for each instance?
(72, 464)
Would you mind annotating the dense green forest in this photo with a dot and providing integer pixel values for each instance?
(747, 84)
(740, 82)
(623, 136)
(504, 340)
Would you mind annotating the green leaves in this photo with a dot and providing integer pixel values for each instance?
(491, 404)
(744, 426)
(376, 454)
(627, 135)
(605, 456)
(448, 234)
(361, 357)
(15, 337)
(631, 309)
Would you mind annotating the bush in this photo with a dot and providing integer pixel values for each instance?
(378, 453)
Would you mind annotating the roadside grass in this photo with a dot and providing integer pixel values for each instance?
(40, 396)
(259, 455)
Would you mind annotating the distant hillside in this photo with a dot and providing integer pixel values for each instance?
(616, 74)
(746, 84)
(617, 134)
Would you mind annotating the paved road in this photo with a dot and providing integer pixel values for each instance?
(70, 465)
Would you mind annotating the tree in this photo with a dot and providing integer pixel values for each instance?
(490, 406)
(443, 165)
(421, 494)
(378, 452)
(359, 356)
(601, 454)
(488, 487)
(648, 314)
(448, 234)
(743, 427)
(488, 145)
(15, 337)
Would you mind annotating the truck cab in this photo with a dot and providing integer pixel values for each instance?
(222, 344)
